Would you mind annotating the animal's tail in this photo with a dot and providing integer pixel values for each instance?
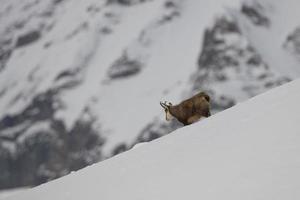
(203, 94)
(206, 97)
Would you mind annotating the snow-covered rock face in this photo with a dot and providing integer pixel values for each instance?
(230, 68)
(81, 81)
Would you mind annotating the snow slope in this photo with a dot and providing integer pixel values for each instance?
(250, 151)
(7, 193)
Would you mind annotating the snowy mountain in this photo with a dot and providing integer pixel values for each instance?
(80, 81)
(250, 151)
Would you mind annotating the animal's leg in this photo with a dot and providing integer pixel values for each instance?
(208, 114)
(193, 119)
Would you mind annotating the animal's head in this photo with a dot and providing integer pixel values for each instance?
(166, 106)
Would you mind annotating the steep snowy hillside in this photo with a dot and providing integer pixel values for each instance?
(250, 151)
(80, 81)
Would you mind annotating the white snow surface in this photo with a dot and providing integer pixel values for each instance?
(250, 151)
(10, 192)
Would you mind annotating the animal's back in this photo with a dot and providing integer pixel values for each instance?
(202, 94)
(198, 104)
(201, 104)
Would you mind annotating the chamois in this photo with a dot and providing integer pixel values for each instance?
(189, 110)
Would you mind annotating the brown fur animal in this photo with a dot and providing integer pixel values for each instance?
(190, 110)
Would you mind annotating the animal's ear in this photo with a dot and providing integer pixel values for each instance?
(164, 105)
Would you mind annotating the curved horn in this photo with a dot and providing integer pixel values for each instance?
(163, 105)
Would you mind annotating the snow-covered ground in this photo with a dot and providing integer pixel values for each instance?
(250, 151)
(6, 193)
(81, 81)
